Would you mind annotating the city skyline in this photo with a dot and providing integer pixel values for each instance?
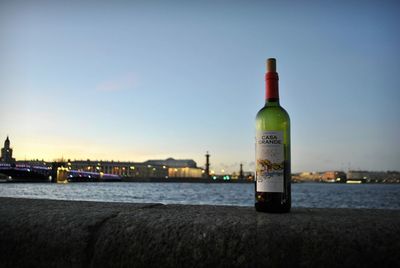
(151, 80)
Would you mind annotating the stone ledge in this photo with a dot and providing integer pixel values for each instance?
(49, 233)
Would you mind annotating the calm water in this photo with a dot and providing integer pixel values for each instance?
(303, 194)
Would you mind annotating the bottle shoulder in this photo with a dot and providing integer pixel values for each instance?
(273, 118)
(275, 111)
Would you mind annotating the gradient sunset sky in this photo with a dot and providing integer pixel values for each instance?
(138, 80)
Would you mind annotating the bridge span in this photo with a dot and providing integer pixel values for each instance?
(57, 172)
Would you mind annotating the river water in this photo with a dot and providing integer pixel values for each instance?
(312, 195)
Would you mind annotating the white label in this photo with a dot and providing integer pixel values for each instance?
(269, 161)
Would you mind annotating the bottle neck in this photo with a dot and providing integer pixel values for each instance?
(272, 103)
(271, 89)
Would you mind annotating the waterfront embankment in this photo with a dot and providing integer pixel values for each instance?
(48, 233)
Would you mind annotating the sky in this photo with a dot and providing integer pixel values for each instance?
(139, 80)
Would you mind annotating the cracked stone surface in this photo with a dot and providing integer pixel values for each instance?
(49, 233)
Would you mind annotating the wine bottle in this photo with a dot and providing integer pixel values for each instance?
(272, 182)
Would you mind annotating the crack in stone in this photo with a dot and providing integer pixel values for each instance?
(154, 205)
(94, 231)
(93, 236)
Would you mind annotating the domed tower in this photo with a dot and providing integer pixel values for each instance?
(6, 152)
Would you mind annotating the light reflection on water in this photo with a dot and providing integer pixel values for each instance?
(303, 194)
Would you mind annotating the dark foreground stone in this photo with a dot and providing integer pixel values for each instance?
(45, 233)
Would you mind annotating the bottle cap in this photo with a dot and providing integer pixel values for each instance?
(271, 65)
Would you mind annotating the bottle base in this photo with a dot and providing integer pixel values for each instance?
(272, 208)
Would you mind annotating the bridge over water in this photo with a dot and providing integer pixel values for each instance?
(57, 172)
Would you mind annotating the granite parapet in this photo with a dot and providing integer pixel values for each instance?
(55, 233)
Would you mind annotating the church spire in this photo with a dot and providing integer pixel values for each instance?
(7, 143)
(6, 152)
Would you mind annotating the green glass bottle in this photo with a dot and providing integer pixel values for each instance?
(273, 175)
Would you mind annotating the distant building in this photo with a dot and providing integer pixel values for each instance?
(149, 169)
(358, 174)
(334, 176)
(185, 172)
(124, 169)
(177, 168)
(170, 162)
(6, 153)
(307, 176)
(368, 176)
(248, 175)
(34, 162)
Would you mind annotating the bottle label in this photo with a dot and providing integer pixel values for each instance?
(269, 161)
